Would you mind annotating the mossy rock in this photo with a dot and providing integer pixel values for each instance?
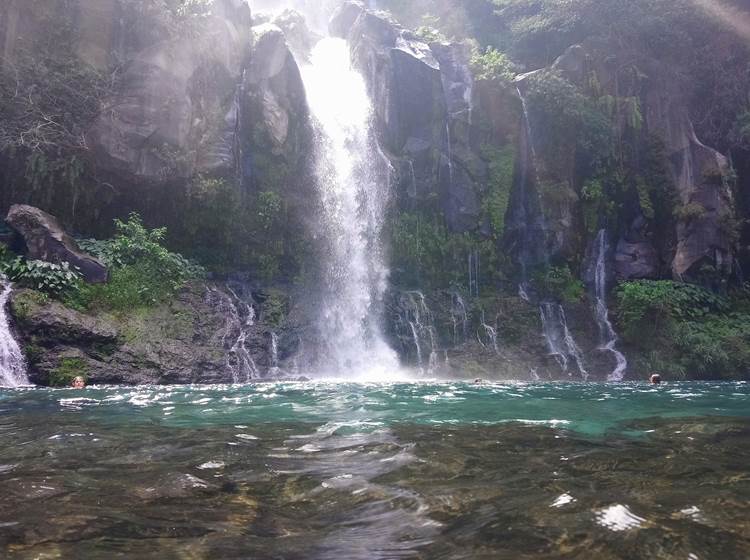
(69, 369)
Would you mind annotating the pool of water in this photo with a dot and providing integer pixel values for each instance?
(374, 471)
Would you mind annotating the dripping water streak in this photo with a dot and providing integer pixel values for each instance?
(606, 330)
(560, 342)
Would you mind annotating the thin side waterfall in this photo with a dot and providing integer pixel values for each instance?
(527, 155)
(459, 313)
(560, 342)
(274, 353)
(12, 363)
(607, 332)
(474, 273)
(421, 333)
(450, 149)
(353, 177)
(490, 333)
(412, 190)
(239, 317)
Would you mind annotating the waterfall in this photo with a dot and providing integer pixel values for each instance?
(560, 342)
(491, 334)
(421, 330)
(239, 317)
(458, 312)
(450, 150)
(559, 339)
(274, 353)
(528, 157)
(12, 363)
(474, 273)
(607, 332)
(353, 178)
(412, 190)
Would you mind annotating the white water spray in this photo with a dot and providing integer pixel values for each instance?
(12, 364)
(601, 312)
(354, 183)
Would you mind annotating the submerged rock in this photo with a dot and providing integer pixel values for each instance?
(46, 240)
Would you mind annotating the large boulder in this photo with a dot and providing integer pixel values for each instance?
(46, 240)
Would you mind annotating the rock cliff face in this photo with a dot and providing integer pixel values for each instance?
(210, 333)
(207, 95)
(700, 233)
(423, 100)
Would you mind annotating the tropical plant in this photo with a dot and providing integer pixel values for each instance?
(50, 278)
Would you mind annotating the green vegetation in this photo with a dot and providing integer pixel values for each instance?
(560, 283)
(685, 330)
(426, 254)
(501, 166)
(142, 271)
(48, 278)
(69, 369)
(492, 65)
(275, 307)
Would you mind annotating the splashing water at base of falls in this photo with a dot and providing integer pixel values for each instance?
(354, 181)
(12, 364)
(602, 314)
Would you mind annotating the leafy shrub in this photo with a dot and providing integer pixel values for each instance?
(142, 271)
(270, 206)
(559, 282)
(492, 65)
(686, 329)
(647, 302)
(50, 278)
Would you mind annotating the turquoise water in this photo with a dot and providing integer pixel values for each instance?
(325, 470)
(587, 408)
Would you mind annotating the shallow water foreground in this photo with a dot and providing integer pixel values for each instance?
(375, 471)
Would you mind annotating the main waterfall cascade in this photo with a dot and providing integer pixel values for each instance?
(607, 332)
(353, 177)
(12, 363)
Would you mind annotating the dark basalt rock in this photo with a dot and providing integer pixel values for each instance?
(422, 97)
(46, 240)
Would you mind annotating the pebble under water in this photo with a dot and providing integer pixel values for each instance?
(324, 470)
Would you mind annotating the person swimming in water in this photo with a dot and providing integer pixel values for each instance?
(655, 379)
(78, 382)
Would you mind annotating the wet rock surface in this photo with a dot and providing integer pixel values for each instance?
(205, 335)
